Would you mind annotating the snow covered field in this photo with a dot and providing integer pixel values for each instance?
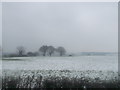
(78, 63)
(60, 72)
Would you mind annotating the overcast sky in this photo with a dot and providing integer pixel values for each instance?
(79, 27)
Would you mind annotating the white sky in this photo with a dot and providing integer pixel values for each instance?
(78, 27)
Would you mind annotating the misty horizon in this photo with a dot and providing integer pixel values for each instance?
(78, 27)
(80, 52)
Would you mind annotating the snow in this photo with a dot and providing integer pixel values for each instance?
(78, 63)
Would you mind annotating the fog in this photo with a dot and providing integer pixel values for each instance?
(78, 27)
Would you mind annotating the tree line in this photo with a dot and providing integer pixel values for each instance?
(43, 50)
(50, 50)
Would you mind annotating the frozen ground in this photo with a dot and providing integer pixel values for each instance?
(78, 63)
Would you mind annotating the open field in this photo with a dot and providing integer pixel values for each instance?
(61, 72)
(79, 63)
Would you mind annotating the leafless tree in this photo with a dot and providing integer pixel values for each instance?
(61, 50)
(44, 49)
(21, 50)
(50, 50)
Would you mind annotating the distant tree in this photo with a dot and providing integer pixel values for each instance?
(30, 54)
(50, 50)
(61, 50)
(21, 50)
(44, 49)
(12, 55)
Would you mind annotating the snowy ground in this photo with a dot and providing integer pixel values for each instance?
(79, 71)
(78, 63)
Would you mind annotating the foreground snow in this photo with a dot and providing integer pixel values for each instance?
(80, 63)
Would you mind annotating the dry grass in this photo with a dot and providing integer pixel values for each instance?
(60, 79)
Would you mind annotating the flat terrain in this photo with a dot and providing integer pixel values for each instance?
(79, 63)
(61, 72)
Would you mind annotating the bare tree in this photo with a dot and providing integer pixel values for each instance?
(21, 50)
(44, 49)
(61, 50)
(50, 50)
